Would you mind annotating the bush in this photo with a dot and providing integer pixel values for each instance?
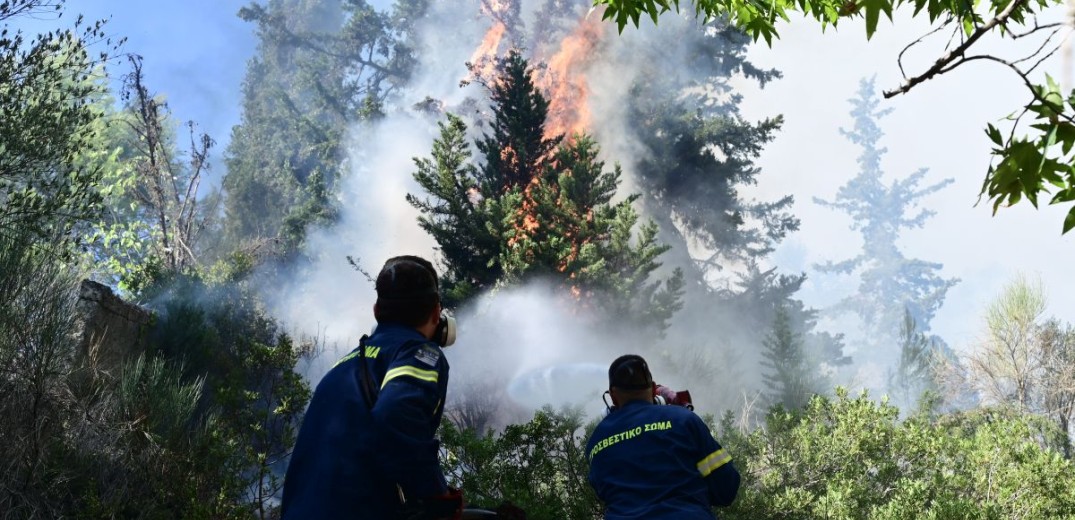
(220, 333)
(850, 457)
(539, 466)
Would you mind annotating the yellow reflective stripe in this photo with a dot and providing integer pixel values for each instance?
(371, 352)
(345, 358)
(417, 373)
(713, 461)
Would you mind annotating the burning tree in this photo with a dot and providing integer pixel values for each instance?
(537, 207)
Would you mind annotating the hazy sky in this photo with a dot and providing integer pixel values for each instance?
(195, 53)
(938, 125)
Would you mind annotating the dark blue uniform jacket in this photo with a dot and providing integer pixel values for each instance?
(348, 459)
(659, 462)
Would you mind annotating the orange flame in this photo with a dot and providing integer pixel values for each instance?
(564, 82)
(526, 222)
(483, 61)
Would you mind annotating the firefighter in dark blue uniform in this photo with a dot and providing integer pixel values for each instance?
(655, 462)
(367, 446)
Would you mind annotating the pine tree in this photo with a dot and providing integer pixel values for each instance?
(464, 224)
(793, 378)
(517, 151)
(700, 152)
(890, 283)
(761, 294)
(537, 207)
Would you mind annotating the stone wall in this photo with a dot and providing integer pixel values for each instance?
(112, 329)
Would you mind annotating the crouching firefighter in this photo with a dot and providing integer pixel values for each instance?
(367, 446)
(655, 462)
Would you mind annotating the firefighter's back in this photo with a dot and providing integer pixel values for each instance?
(644, 463)
(333, 470)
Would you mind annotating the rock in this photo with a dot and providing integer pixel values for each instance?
(112, 330)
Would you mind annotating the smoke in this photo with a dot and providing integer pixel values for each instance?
(522, 347)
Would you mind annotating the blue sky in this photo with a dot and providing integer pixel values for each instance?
(194, 52)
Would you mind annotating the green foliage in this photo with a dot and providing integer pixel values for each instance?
(221, 334)
(170, 459)
(321, 66)
(466, 226)
(850, 457)
(36, 316)
(793, 377)
(578, 234)
(759, 19)
(1023, 359)
(1009, 359)
(845, 457)
(47, 114)
(118, 245)
(1042, 164)
(153, 216)
(539, 466)
(79, 439)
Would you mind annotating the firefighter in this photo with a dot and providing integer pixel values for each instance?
(367, 446)
(655, 462)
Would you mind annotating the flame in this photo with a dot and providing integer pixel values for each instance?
(504, 14)
(483, 61)
(526, 222)
(564, 81)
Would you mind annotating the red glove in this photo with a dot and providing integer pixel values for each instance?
(448, 506)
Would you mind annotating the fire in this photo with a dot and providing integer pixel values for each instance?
(563, 81)
(565, 84)
(483, 62)
(505, 14)
(526, 222)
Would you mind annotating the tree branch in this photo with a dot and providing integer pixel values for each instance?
(899, 60)
(1036, 28)
(951, 56)
(1018, 71)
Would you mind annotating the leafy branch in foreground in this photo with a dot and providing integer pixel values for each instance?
(1034, 159)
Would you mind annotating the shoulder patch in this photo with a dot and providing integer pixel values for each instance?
(428, 355)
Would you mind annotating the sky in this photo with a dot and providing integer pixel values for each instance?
(194, 53)
(196, 50)
(938, 125)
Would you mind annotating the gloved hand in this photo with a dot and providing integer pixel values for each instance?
(448, 506)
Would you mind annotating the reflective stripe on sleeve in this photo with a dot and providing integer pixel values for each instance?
(346, 358)
(713, 461)
(417, 373)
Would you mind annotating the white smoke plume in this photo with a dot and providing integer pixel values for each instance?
(519, 344)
